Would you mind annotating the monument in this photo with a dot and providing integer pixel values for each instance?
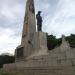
(32, 56)
(31, 40)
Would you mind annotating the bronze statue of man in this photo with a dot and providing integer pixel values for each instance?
(39, 21)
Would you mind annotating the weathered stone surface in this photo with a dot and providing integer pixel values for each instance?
(35, 59)
(55, 62)
(45, 71)
(29, 29)
(40, 40)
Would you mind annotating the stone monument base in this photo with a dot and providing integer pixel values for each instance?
(38, 46)
(59, 61)
(54, 62)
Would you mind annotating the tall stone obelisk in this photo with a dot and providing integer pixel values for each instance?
(29, 28)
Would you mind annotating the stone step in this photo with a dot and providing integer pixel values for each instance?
(62, 70)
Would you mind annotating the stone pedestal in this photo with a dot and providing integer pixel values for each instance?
(40, 46)
(40, 40)
(37, 45)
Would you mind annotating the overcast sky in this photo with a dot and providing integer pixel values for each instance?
(58, 18)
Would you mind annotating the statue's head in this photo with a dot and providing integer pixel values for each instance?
(39, 12)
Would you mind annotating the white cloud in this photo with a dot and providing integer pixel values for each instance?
(58, 18)
(62, 22)
(11, 13)
(11, 22)
(5, 12)
(8, 42)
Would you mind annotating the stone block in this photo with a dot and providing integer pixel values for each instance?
(52, 62)
(73, 62)
(61, 56)
(65, 62)
(40, 40)
(73, 53)
(70, 54)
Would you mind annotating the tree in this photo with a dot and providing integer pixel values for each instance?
(5, 59)
(71, 40)
(52, 42)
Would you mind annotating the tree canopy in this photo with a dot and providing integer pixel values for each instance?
(5, 59)
(52, 42)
